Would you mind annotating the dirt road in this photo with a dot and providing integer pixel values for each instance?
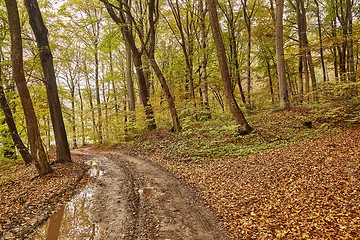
(136, 199)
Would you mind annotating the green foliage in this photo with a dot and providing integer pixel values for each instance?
(217, 137)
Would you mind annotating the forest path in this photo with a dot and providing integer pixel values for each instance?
(136, 199)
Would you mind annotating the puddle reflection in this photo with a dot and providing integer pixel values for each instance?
(71, 221)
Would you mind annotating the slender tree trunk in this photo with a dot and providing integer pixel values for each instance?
(233, 56)
(248, 64)
(38, 153)
(351, 61)
(83, 142)
(41, 34)
(73, 118)
(128, 76)
(248, 18)
(304, 44)
(153, 16)
(270, 81)
(204, 89)
(99, 136)
(129, 38)
(130, 86)
(283, 89)
(307, 48)
(302, 53)
(9, 119)
(323, 67)
(334, 49)
(244, 127)
(116, 107)
(90, 101)
(169, 98)
(307, 78)
(300, 78)
(186, 44)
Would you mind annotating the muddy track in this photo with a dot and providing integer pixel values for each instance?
(137, 199)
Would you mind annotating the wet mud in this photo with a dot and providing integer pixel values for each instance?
(131, 198)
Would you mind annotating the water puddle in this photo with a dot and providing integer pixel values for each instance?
(149, 192)
(95, 169)
(72, 221)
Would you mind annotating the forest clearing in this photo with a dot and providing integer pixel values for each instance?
(179, 119)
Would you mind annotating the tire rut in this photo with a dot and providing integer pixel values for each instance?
(137, 199)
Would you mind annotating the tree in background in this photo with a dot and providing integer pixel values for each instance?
(244, 127)
(279, 40)
(232, 22)
(120, 19)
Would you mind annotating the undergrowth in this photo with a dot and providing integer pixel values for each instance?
(217, 137)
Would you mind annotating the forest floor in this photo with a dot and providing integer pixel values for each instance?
(27, 201)
(309, 190)
(283, 181)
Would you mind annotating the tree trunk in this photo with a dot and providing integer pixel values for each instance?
(233, 55)
(41, 34)
(270, 81)
(248, 53)
(169, 98)
(9, 119)
(73, 118)
(129, 38)
(38, 153)
(307, 48)
(82, 116)
(99, 135)
(88, 86)
(283, 90)
(334, 48)
(321, 41)
(152, 19)
(244, 127)
(351, 60)
(305, 51)
(203, 61)
(186, 43)
(130, 89)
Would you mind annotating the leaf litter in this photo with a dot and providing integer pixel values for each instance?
(26, 200)
(309, 190)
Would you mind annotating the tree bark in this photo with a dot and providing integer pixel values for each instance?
(283, 89)
(46, 58)
(244, 127)
(153, 16)
(351, 59)
(99, 135)
(129, 83)
(204, 89)
(81, 116)
(247, 17)
(38, 153)
(129, 38)
(323, 67)
(91, 102)
(9, 119)
(234, 66)
(186, 43)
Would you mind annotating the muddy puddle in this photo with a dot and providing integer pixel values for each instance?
(72, 221)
